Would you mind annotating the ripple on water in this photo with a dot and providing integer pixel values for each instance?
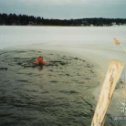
(48, 97)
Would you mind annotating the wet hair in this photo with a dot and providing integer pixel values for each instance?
(40, 56)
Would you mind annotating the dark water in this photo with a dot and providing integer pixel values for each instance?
(60, 94)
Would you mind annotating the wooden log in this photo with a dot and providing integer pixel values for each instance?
(108, 87)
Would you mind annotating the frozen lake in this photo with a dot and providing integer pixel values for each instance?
(14, 36)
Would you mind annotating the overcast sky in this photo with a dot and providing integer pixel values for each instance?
(66, 8)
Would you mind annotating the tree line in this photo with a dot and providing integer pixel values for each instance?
(13, 19)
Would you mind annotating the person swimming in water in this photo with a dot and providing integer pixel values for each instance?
(40, 61)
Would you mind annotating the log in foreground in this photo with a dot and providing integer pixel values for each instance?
(112, 76)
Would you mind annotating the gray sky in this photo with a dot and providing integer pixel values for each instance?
(66, 8)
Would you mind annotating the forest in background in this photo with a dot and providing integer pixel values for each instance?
(13, 19)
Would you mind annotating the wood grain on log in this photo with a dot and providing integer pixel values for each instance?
(112, 76)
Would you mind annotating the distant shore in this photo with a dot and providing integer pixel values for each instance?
(13, 19)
